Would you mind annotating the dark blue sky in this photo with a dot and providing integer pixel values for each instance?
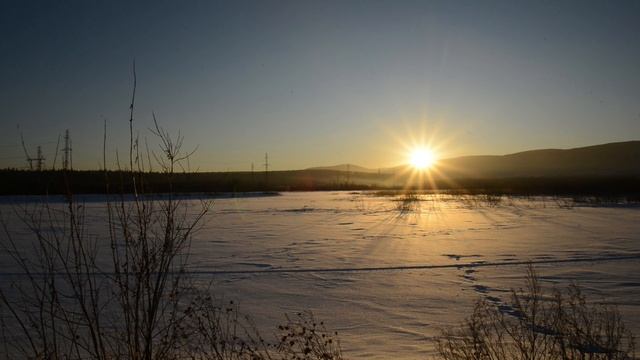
(322, 82)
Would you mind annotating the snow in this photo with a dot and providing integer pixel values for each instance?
(387, 279)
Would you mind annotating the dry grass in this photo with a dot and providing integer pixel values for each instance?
(542, 325)
(66, 303)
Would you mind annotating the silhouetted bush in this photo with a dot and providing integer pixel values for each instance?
(540, 325)
(66, 303)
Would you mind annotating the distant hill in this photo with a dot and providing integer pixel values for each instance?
(612, 159)
(608, 169)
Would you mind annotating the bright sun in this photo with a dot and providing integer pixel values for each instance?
(422, 158)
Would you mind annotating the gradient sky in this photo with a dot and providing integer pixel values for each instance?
(319, 83)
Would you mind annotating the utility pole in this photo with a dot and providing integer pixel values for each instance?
(67, 160)
(39, 159)
(266, 167)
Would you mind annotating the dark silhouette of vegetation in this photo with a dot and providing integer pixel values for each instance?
(540, 325)
(21, 182)
(124, 293)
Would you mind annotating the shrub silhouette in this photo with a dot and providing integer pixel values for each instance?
(66, 303)
(540, 325)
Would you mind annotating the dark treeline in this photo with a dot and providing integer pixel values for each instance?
(19, 182)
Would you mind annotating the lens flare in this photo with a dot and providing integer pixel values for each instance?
(422, 158)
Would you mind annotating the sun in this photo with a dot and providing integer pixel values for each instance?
(422, 158)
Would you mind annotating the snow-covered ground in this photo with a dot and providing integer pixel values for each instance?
(387, 278)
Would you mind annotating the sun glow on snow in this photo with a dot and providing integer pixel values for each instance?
(422, 158)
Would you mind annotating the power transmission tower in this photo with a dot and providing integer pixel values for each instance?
(266, 166)
(39, 159)
(67, 160)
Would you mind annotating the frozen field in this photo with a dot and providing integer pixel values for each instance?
(387, 278)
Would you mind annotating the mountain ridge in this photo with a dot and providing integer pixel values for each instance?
(608, 159)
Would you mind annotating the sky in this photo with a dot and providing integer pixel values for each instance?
(316, 83)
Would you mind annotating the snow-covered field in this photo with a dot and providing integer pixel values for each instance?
(387, 277)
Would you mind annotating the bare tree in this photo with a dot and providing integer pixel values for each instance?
(126, 293)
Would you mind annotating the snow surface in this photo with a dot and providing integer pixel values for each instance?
(387, 279)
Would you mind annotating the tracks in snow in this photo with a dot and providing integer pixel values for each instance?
(470, 265)
(476, 264)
